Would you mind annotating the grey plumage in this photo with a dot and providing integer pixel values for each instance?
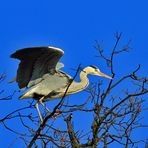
(39, 71)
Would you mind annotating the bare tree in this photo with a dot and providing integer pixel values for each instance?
(114, 112)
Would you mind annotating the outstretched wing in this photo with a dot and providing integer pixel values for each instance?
(35, 62)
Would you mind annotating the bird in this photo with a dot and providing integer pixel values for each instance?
(39, 73)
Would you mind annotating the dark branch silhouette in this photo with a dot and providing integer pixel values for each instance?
(114, 111)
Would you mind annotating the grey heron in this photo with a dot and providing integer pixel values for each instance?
(39, 71)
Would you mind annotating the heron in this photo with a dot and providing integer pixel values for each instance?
(40, 75)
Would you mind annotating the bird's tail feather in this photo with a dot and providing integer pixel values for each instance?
(26, 95)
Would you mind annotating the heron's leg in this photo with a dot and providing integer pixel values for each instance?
(41, 99)
(45, 107)
(41, 102)
(38, 110)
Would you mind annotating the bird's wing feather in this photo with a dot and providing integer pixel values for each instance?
(59, 65)
(50, 83)
(35, 62)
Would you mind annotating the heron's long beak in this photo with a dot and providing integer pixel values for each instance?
(104, 75)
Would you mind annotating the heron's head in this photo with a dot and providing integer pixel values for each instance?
(95, 71)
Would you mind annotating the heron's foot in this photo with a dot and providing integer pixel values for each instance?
(56, 114)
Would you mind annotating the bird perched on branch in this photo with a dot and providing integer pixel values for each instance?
(39, 70)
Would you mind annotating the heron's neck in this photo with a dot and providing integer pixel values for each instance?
(83, 79)
(79, 86)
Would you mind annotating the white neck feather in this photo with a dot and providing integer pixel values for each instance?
(79, 86)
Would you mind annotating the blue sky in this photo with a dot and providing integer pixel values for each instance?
(73, 26)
